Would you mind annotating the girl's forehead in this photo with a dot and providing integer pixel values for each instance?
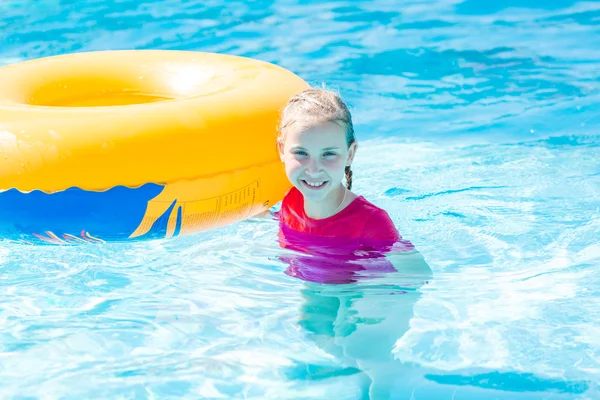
(328, 134)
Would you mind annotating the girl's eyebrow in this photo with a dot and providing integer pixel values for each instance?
(323, 149)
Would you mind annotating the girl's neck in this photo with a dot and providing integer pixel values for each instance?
(335, 202)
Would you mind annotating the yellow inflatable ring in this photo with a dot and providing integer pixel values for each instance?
(121, 145)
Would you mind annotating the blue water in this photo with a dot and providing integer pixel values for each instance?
(479, 130)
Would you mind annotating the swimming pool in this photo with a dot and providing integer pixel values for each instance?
(478, 129)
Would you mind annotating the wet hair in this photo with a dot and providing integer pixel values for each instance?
(316, 106)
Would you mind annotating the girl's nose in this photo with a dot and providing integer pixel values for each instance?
(313, 168)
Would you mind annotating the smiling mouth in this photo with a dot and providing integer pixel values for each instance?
(314, 184)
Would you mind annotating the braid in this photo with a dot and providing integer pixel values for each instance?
(349, 178)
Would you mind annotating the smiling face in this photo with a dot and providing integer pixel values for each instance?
(315, 159)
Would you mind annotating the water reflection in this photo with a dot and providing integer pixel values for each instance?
(357, 300)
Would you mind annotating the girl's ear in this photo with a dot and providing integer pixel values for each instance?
(351, 152)
(280, 148)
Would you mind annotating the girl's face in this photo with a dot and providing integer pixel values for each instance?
(315, 159)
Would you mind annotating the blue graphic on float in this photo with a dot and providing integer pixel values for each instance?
(76, 215)
(159, 227)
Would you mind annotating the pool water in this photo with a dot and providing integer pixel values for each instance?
(478, 125)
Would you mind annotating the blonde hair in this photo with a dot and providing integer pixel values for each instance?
(316, 106)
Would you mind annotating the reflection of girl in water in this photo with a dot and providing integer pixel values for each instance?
(337, 260)
(338, 237)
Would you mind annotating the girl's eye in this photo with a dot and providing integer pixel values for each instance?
(300, 153)
(329, 154)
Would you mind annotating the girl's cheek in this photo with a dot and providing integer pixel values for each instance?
(337, 162)
(292, 163)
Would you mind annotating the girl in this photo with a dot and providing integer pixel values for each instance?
(343, 238)
(319, 215)
(317, 146)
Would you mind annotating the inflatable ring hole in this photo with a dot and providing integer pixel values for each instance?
(116, 87)
(102, 99)
(114, 81)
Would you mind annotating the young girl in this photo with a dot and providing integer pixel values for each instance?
(342, 238)
(317, 146)
(319, 215)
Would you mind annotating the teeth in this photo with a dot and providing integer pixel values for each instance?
(314, 183)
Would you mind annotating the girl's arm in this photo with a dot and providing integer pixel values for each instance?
(270, 213)
(411, 263)
(267, 214)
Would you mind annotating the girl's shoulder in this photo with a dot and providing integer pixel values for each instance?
(378, 224)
